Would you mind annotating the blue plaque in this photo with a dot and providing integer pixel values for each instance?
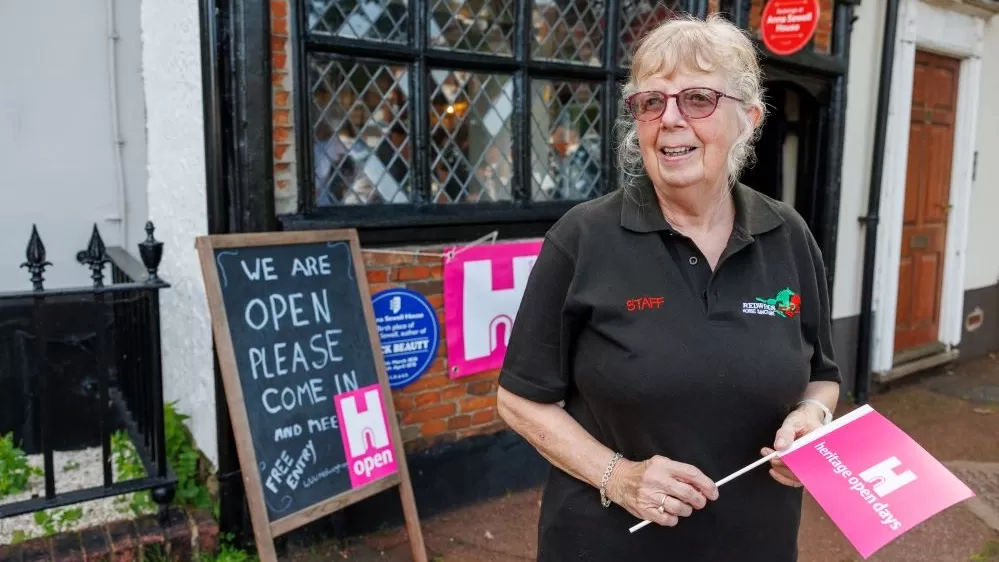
(409, 333)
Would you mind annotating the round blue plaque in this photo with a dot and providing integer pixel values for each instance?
(409, 333)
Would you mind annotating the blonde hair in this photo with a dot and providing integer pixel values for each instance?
(708, 45)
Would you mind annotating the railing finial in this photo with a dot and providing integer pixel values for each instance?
(151, 251)
(95, 257)
(35, 255)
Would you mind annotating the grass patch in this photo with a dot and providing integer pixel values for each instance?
(988, 553)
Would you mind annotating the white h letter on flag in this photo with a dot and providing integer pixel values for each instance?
(889, 481)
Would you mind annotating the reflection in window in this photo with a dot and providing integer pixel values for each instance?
(568, 31)
(479, 26)
(565, 140)
(358, 111)
(638, 18)
(359, 119)
(380, 20)
(470, 136)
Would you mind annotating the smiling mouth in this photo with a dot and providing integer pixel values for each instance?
(677, 151)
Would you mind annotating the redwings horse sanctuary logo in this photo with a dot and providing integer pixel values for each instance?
(786, 304)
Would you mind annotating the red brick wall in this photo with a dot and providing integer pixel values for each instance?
(435, 408)
(823, 35)
(184, 535)
(286, 192)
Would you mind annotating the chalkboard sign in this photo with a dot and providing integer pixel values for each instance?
(304, 377)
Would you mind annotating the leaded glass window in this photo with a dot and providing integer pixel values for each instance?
(503, 108)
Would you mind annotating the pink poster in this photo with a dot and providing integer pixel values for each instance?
(367, 441)
(483, 286)
(872, 479)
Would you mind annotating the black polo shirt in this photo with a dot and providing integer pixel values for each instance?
(653, 353)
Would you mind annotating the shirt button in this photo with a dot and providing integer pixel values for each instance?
(692, 260)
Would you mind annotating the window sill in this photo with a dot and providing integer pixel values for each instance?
(393, 225)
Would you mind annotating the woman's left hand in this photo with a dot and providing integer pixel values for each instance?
(798, 423)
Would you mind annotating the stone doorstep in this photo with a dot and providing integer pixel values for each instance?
(186, 532)
(983, 479)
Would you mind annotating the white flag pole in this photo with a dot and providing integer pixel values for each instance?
(728, 478)
(820, 432)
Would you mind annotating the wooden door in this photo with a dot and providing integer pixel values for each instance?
(927, 200)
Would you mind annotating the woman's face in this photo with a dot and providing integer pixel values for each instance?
(679, 152)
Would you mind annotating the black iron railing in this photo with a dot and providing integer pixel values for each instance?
(80, 364)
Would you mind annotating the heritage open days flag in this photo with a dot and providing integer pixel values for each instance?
(872, 479)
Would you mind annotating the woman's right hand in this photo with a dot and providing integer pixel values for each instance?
(639, 487)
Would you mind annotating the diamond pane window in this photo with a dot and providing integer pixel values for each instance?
(513, 104)
(478, 26)
(361, 135)
(565, 140)
(568, 31)
(471, 137)
(638, 18)
(380, 20)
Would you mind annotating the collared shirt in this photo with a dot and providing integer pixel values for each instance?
(655, 353)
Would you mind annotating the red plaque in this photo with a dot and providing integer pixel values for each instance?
(786, 26)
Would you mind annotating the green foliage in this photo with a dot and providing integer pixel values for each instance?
(15, 477)
(15, 472)
(184, 459)
(19, 536)
(989, 552)
(51, 521)
(181, 455)
(126, 460)
(227, 552)
(191, 492)
(155, 553)
(54, 521)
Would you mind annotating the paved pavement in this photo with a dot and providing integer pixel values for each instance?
(953, 413)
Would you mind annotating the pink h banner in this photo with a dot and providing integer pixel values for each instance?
(483, 286)
(367, 437)
(872, 479)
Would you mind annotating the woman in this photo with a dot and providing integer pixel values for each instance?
(675, 330)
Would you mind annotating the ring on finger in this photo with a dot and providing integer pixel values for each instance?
(662, 505)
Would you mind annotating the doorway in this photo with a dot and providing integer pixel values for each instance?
(789, 158)
(932, 121)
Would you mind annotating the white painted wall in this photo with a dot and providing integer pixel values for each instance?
(862, 88)
(171, 63)
(58, 166)
(132, 108)
(982, 257)
(983, 227)
(57, 155)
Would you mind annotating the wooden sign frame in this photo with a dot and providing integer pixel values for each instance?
(264, 530)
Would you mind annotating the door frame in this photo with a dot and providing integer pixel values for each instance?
(947, 32)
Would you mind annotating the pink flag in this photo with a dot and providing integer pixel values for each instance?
(872, 479)
(366, 434)
(483, 286)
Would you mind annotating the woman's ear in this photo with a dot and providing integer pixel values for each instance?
(755, 115)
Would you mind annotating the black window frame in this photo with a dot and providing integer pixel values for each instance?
(412, 222)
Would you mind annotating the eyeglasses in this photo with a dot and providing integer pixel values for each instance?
(693, 103)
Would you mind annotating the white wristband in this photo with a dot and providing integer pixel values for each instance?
(827, 415)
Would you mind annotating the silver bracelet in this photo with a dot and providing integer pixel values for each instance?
(603, 481)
